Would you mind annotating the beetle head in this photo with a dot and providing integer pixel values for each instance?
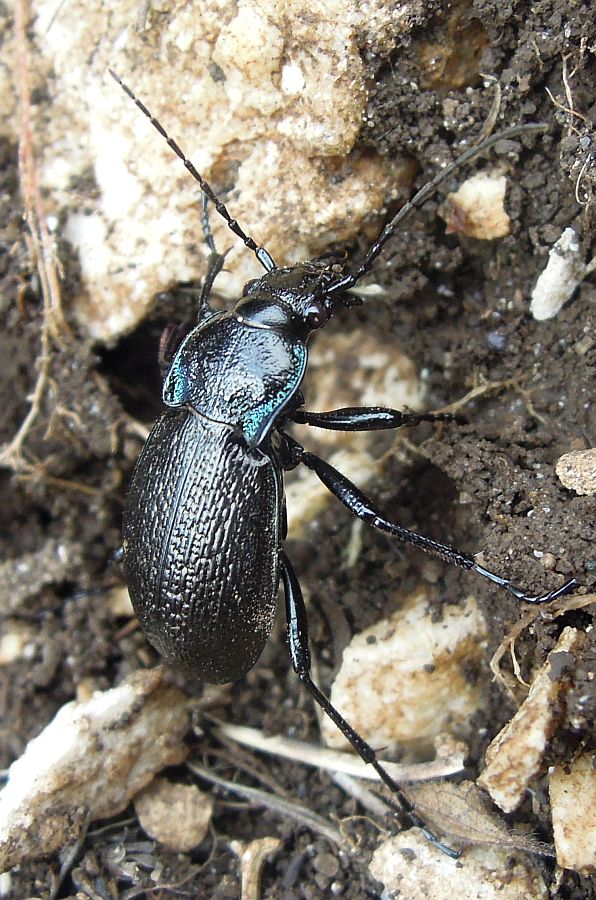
(294, 298)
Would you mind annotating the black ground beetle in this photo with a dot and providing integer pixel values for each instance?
(204, 521)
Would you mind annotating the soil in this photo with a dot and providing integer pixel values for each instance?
(459, 307)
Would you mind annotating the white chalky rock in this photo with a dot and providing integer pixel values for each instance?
(516, 755)
(410, 867)
(371, 373)
(266, 100)
(564, 271)
(572, 791)
(88, 763)
(477, 208)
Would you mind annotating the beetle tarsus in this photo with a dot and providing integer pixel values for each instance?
(521, 595)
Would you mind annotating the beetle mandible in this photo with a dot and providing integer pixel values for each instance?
(204, 521)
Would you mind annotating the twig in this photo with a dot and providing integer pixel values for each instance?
(566, 79)
(493, 114)
(366, 798)
(582, 172)
(569, 109)
(292, 810)
(336, 760)
(34, 213)
(253, 856)
(475, 392)
(246, 762)
(487, 386)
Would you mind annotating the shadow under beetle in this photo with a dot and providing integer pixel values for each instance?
(205, 520)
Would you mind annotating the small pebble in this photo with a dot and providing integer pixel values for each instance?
(577, 471)
(177, 815)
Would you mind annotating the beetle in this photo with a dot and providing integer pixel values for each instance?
(204, 520)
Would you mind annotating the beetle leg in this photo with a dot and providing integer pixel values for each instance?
(214, 266)
(169, 342)
(290, 452)
(359, 504)
(366, 418)
(117, 557)
(300, 657)
(284, 519)
(173, 335)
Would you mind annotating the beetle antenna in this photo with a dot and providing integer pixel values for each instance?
(430, 188)
(262, 255)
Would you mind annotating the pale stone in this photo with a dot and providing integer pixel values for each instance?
(403, 680)
(564, 271)
(267, 102)
(477, 208)
(409, 866)
(572, 790)
(577, 471)
(176, 815)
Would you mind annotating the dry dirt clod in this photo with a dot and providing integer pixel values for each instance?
(177, 815)
(28, 574)
(577, 470)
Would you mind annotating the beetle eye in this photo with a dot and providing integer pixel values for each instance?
(315, 316)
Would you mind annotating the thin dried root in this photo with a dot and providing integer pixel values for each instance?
(54, 327)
